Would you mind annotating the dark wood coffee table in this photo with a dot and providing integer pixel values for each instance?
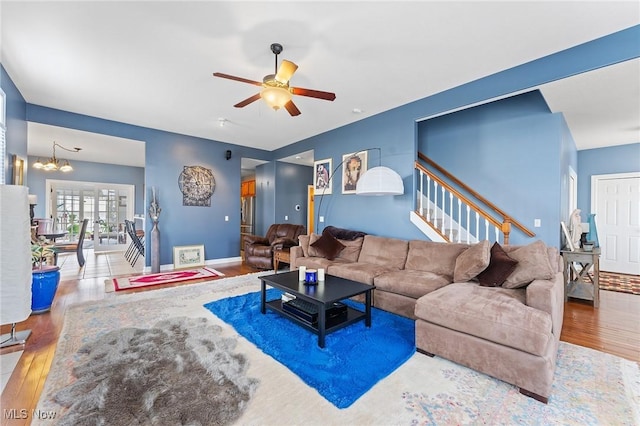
(323, 295)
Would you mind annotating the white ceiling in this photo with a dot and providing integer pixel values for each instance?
(151, 63)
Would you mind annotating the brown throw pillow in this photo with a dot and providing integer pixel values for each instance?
(533, 264)
(472, 261)
(328, 246)
(500, 267)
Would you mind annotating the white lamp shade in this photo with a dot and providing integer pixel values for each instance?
(15, 254)
(380, 181)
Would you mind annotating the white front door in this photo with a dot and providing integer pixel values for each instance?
(615, 200)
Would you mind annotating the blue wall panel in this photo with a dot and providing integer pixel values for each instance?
(166, 154)
(291, 190)
(507, 151)
(16, 130)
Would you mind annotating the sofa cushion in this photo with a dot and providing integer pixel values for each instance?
(328, 246)
(438, 258)
(409, 282)
(388, 252)
(500, 267)
(361, 272)
(472, 261)
(533, 263)
(314, 262)
(303, 241)
(492, 313)
(351, 250)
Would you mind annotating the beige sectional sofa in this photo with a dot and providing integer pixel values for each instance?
(507, 326)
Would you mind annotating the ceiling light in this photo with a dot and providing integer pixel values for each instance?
(53, 163)
(222, 121)
(66, 167)
(275, 97)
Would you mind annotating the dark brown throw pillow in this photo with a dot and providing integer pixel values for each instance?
(500, 267)
(328, 246)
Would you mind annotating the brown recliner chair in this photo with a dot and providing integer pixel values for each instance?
(258, 251)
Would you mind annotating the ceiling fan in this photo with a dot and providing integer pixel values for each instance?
(275, 87)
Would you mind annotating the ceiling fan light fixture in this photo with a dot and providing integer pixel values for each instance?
(275, 97)
(285, 72)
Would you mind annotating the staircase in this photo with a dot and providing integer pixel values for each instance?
(448, 210)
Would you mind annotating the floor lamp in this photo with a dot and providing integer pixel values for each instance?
(15, 262)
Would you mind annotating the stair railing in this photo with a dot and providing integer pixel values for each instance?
(456, 217)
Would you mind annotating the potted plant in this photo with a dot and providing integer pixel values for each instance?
(45, 278)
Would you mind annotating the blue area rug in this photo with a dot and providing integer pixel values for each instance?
(353, 360)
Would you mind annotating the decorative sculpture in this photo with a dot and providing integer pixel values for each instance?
(154, 214)
(576, 228)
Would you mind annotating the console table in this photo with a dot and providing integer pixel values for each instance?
(579, 280)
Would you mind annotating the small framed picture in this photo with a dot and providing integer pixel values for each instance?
(18, 170)
(322, 176)
(188, 256)
(353, 166)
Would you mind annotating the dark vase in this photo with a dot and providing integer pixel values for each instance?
(44, 284)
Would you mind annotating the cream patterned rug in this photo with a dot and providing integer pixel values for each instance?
(590, 387)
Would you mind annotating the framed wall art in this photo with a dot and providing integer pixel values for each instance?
(353, 166)
(322, 176)
(197, 185)
(188, 256)
(18, 169)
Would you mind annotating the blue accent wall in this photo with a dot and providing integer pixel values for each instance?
(603, 161)
(291, 190)
(509, 152)
(166, 154)
(84, 171)
(265, 197)
(16, 131)
(280, 187)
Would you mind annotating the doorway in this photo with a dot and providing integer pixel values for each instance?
(615, 199)
(105, 205)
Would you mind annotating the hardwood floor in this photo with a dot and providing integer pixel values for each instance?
(613, 328)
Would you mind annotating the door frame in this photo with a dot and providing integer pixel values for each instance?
(597, 179)
(93, 226)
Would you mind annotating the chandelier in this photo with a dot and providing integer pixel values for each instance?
(53, 163)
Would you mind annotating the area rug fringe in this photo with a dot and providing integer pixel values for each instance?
(590, 387)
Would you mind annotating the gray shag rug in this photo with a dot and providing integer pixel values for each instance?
(179, 372)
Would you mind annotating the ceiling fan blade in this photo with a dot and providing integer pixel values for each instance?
(292, 108)
(286, 70)
(327, 96)
(248, 101)
(240, 79)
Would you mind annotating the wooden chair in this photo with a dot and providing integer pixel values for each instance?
(77, 246)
